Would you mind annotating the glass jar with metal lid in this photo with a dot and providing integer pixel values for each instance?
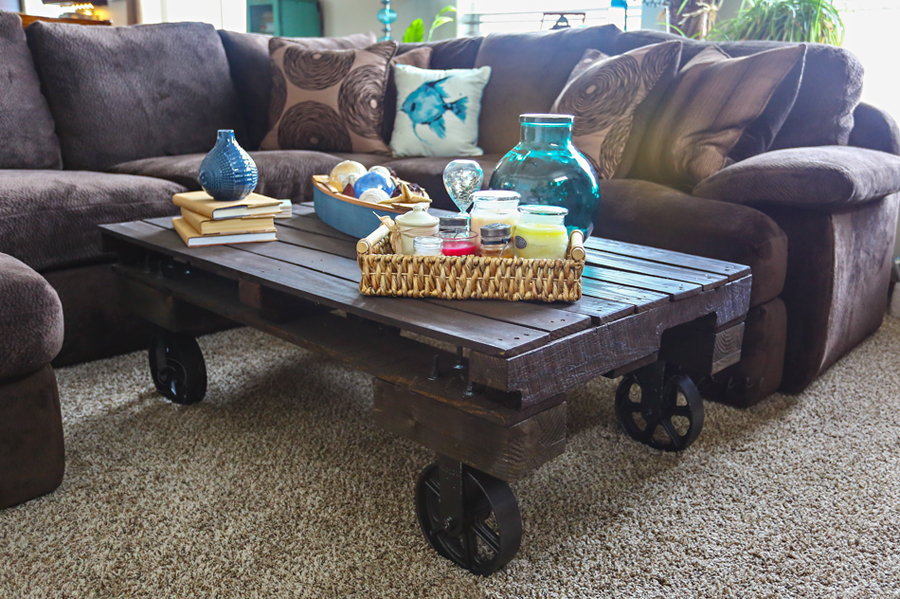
(541, 232)
(496, 241)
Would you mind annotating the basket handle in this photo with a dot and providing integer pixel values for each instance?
(365, 245)
(576, 245)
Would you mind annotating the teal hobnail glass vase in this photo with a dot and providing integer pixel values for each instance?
(227, 172)
(545, 168)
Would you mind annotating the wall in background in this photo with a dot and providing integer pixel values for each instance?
(224, 14)
(343, 17)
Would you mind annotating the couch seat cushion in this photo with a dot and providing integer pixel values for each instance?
(48, 219)
(123, 93)
(429, 173)
(283, 174)
(31, 319)
(26, 127)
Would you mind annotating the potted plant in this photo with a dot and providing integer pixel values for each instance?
(784, 20)
(416, 31)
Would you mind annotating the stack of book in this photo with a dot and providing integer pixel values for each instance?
(205, 221)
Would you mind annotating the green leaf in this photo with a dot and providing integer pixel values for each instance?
(439, 19)
(415, 32)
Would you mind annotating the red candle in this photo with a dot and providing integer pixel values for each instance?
(459, 244)
(462, 247)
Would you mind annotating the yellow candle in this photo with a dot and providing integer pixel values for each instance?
(539, 240)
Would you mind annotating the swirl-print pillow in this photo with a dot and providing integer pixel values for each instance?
(327, 100)
(612, 99)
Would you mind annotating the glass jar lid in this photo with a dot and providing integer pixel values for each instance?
(417, 217)
(547, 119)
(496, 231)
(457, 221)
(536, 213)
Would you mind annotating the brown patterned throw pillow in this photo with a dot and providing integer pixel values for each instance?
(612, 98)
(718, 110)
(327, 100)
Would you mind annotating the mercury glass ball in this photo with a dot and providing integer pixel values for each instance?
(373, 180)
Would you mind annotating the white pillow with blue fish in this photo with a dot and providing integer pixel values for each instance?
(437, 111)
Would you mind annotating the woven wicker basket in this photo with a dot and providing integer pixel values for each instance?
(468, 277)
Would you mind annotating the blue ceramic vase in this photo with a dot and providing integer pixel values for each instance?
(227, 172)
(546, 168)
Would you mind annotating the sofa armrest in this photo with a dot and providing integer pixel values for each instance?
(874, 129)
(817, 177)
(658, 216)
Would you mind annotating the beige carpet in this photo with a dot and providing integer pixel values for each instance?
(280, 485)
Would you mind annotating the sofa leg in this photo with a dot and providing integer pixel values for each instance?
(32, 454)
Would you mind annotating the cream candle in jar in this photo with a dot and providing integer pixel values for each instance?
(541, 232)
(494, 206)
(415, 223)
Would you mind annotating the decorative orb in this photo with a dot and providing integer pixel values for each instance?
(381, 169)
(375, 195)
(387, 15)
(340, 174)
(373, 181)
(462, 178)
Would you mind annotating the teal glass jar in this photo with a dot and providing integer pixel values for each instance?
(545, 168)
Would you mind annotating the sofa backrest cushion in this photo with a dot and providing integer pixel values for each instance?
(528, 70)
(251, 70)
(829, 91)
(124, 93)
(26, 127)
(456, 53)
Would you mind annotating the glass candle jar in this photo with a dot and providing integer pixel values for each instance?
(428, 246)
(459, 244)
(541, 232)
(496, 241)
(492, 206)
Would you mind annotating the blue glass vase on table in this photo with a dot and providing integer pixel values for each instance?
(546, 169)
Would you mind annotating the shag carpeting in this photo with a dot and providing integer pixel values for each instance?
(280, 485)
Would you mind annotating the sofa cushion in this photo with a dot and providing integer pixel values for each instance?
(421, 58)
(429, 173)
(123, 93)
(327, 100)
(826, 176)
(456, 53)
(528, 72)
(48, 219)
(251, 70)
(31, 319)
(26, 127)
(831, 87)
(715, 106)
(437, 111)
(283, 174)
(612, 100)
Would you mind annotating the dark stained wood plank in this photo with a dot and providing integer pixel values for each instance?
(364, 345)
(667, 271)
(505, 452)
(674, 289)
(562, 364)
(601, 311)
(730, 269)
(702, 350)
(452, 326)
(641, 299)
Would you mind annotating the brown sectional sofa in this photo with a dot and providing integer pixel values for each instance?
(119, 120)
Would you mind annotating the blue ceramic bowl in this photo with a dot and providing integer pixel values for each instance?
(348, 215)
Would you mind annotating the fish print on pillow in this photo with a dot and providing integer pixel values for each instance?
(437, 111)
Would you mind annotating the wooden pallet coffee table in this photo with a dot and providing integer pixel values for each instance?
(492, 404)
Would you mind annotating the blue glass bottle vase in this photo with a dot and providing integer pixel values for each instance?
(546, 168)
(227, 172)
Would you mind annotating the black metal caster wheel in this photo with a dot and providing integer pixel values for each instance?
(491, 529)
(669, 420)
(178, 368)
